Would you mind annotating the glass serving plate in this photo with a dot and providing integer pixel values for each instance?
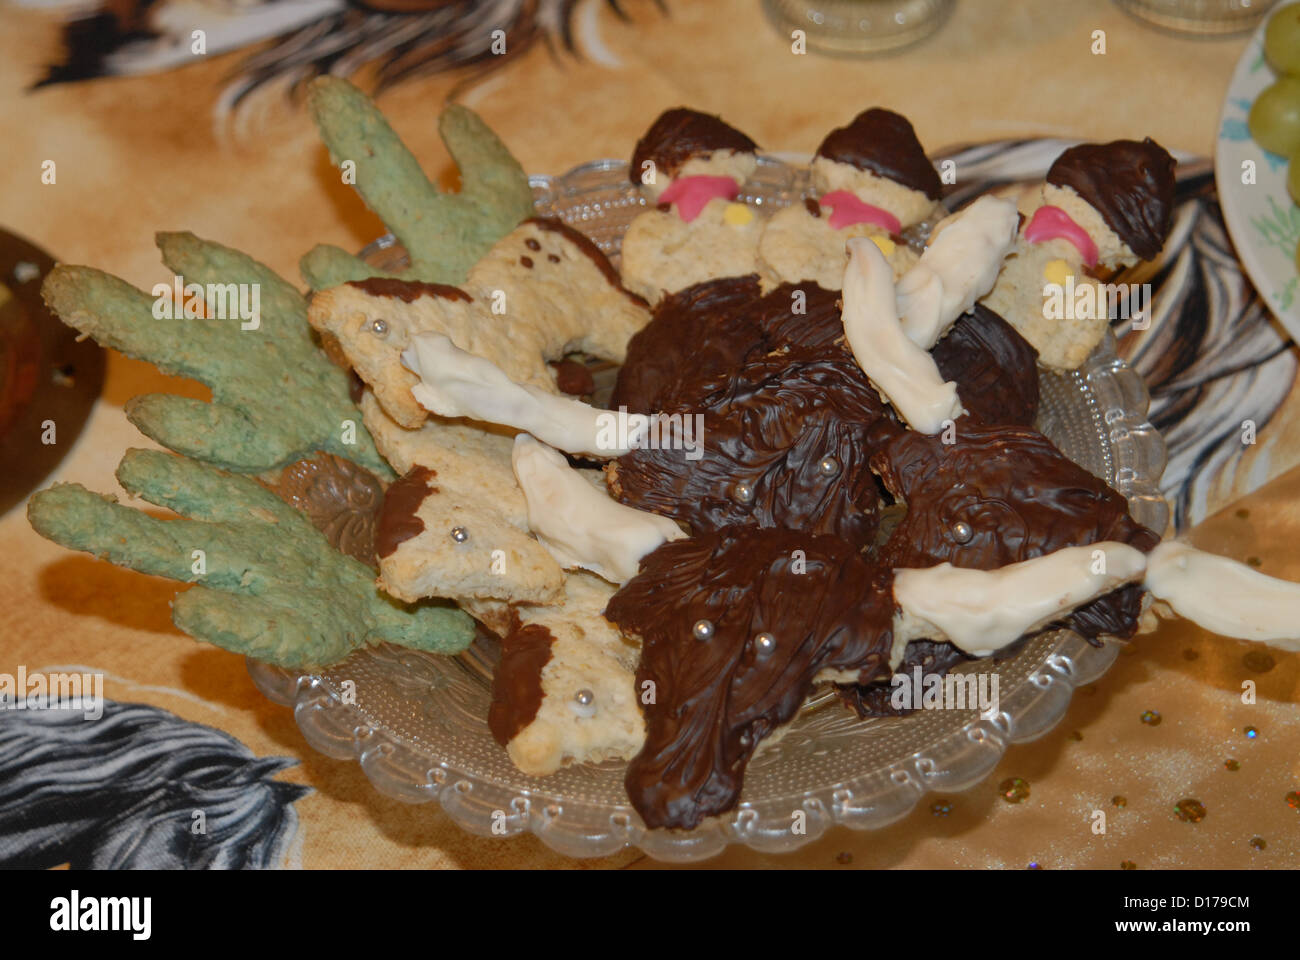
(417, 723)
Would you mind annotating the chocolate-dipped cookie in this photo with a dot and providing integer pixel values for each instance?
(884, 143)
(703, 331)
(680, 135)
(994, 367)
(735, 625)
(999, 495)
(786, 440)
(1130, 184)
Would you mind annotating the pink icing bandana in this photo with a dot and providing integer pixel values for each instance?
(847, 210)
(691, 194)
(1049, 223)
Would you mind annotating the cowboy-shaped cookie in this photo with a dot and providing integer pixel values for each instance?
(871, 179)
(1103, 208)
(690, 165)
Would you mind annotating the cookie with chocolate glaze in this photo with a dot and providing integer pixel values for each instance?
(785, 443)
(884, 143)
(1018, 497)
(563, 690)
(994, 367)
(706, 330)
(1130, 184)
(680, 135)
(735, 626)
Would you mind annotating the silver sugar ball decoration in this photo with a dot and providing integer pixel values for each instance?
(584, 697)
(828, 467)
(379, 327)
(703, 629)
(742, 493)
(459, 534)
(765, 642)
(961, 531)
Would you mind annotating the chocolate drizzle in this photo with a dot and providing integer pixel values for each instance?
(994, 367)
(884, 143)
(517, 682)
(341, 499)
(1021, 498)
(786, 441)
(589, 249)
(680, 134)
(408, 291)
(1130, 184)
(397, 520)
(825, 607)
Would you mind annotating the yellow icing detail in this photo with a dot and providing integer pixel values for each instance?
(1057, 272)
(884, 243)
(737, 214)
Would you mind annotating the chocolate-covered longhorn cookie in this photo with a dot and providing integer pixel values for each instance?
(704, 330)
(691, 166)
(1103, 207)
(1000, 495)
(735, 626)
(785, 443)
(871, 179)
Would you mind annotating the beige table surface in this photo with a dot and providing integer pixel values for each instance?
(143, 154)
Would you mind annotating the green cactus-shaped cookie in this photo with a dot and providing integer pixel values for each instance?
(444, 233)
(276, 397)
(270, 586)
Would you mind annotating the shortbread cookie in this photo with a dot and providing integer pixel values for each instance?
(456, 524)
(1104, 207)
(443, 233)
(565, 690)
(541, 292)
(868, 179)
(1023, 295)
(269, 585)
(433, 541)
(799, 244)
(691, 165)
(662, 253)
(276, 397)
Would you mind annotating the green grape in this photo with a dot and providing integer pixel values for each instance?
(1282, 40)
(1275, 117)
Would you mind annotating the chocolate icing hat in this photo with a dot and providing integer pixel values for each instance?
(1130, 184)
(680, 134)
(884, 143)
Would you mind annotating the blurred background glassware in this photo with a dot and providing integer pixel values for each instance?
(1206, 18)
(858, 27)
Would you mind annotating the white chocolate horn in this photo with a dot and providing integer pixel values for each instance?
(958, 268)
(981, 611)
(580, 525)
(1224, 596)
(454, 383)
(904, 373)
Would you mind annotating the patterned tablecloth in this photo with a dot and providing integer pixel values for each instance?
(138, 154)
